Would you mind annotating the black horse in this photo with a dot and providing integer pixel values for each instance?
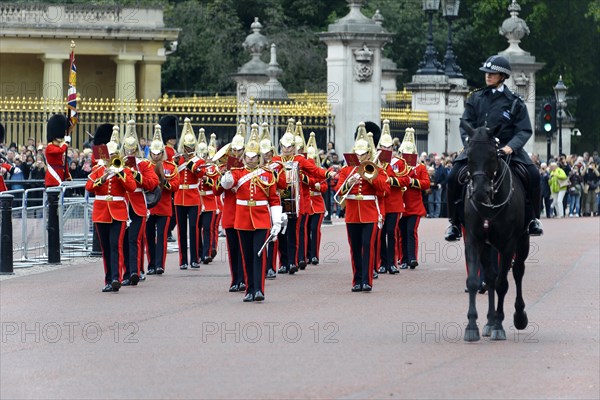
(494, 218)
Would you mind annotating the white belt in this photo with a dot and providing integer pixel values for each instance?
(315, 193)
(206, 192)
(139, 190)
(110, 198)
(361, 197)
(194, 186)
(252, 202)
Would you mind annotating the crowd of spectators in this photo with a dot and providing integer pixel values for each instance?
(570, 185)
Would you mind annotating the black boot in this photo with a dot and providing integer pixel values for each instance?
(534, 202)
(454, 190)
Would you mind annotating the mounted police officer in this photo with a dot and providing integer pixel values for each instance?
(492, 106)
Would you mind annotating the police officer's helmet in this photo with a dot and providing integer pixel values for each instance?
(495, 65)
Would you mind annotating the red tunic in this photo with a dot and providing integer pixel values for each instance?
(363, 208)
(208, 187)
(253, 198)
(317, 203)
(413, 198)
(146, 179)
(188, 194)
(111, 196)
(169, 152)
(55, 158)
(170, 186)
(394, 203)
(7, 167)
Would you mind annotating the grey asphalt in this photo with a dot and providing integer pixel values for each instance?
(182, 335)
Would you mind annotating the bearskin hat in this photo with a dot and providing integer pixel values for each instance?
(375, 129)
(56, 127)
(169, 127)
(102, 134)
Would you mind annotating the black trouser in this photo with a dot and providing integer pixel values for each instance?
(205, 230)
(303, 221)
(409, 226)
(388, 240)
(314, 240)
(111, 237)
(361, 238)
(132, 246)
(271, 255)
(254, 265)
(235, 256)
(173, 221)
(289, 245)
(187, 214)
(156, 240)
(282, 246)
(547, 206)
(455, 190)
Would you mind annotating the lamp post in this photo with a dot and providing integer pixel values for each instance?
(430, 65)
(560, 90)
(450, 12)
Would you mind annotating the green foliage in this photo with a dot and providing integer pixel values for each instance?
(564, 36)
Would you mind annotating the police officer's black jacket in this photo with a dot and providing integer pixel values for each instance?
(485, 108)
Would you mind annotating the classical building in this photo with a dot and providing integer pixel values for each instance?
(119, 51)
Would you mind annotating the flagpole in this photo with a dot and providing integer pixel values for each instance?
(72, 87)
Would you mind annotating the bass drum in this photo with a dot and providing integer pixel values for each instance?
(290, 197)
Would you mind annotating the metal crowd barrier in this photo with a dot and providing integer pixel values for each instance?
(30, 216)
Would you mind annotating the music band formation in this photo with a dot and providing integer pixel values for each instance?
(269, 205)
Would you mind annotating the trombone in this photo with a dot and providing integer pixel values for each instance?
(366, 170)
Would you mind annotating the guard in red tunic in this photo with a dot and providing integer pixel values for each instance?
(56, 151)
(146, 179)
(414, 208)
(361, 186)
(316, 211)
(110, 185)
(5, 167)
(169, 126)
(157, 224)
(397, 172)
(293, 165)
(238, 284)
(187, 198)
(258, 211)
(208, 186)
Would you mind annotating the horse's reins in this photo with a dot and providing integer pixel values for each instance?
(496, 185)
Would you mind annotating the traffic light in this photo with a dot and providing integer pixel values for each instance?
(548, 118)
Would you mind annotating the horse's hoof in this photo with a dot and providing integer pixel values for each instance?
(471, 335)
(487, 330)
(498, 334)
(520, 320)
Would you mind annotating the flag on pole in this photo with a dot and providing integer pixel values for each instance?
(72, 92)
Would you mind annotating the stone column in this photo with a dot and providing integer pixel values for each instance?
(53, 79)
(125, 86)
(431, 93)
(149, 77)
(456, 106)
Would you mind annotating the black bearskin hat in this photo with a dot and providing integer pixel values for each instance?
(56, 127)
(103, 134)
(374, 129)
(169, 127)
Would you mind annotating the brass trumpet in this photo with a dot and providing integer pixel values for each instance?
(116, 164)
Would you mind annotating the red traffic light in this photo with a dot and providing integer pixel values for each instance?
(547, 107)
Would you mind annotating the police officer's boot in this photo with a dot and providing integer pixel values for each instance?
(535, 227)
(453, 231)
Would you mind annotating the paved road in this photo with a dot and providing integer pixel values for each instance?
(182, 335)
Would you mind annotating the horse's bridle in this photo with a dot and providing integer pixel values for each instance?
(495, 184)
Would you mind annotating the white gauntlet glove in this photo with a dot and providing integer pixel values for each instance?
(276, 212)
(227, 180)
